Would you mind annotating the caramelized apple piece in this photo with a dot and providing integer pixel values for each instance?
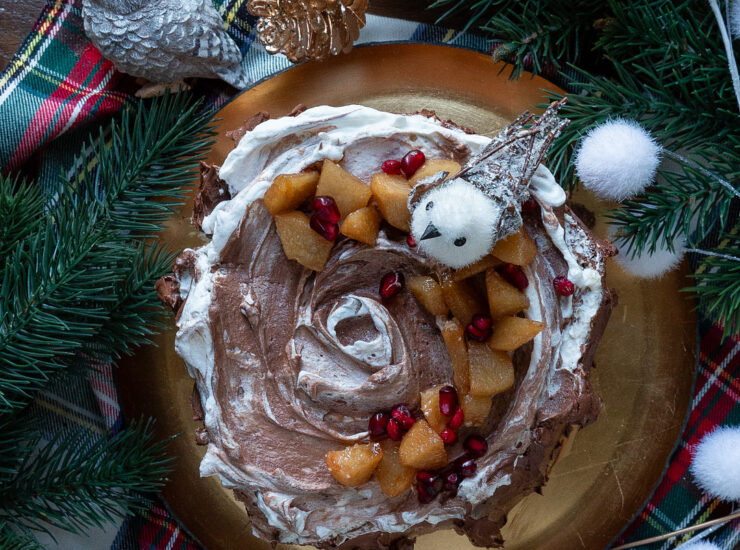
(484, 263)
(394, 477)
(391, 193)
(453, 334)
(422, 448)
(353, 466)
(516, 249)
(300, 242)
(348, 192)
(503, 297)
(429, 293)
(432, 166)
(289, 191)
(430, 408)
(461, 299)
(491, 371)
(476, 409)
(511, 332)
(362, 225)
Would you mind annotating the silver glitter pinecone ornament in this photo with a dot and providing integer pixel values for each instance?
(164, 40)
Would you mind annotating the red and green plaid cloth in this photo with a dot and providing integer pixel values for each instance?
(58, 83)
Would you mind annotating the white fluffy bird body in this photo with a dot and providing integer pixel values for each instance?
(716, 463)
(463, 215)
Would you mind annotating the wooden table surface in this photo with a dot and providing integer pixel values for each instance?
(18, 16)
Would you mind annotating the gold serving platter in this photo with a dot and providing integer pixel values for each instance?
(643, 368)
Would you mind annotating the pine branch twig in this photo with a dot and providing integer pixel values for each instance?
(73, 483)
(81, 273)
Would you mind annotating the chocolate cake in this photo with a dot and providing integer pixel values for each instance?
(308, 379)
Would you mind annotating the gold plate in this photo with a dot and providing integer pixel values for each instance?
(645, 360)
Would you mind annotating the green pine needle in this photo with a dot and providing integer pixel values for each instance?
(11, 539)
(78, 276)
(718, 282)
(74, 483)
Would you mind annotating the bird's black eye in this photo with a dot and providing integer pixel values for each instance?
(430, 205)
(461, 241)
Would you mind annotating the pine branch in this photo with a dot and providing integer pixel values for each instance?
(74, 276)
(73, 483)
(136, 315)
(718, 282)
(687, 203)
(21, 209)
(11, 539)
(533, 35)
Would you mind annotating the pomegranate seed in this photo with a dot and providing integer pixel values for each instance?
(402, 415)
(328, 230)
(430, 480)
(476, 446)
(411, 162)
(480, 327)
(448, 436)
(325, 208)
(426, 493)
(515, 275)
(563, 286)
(452, 480)
(427, 478)
(457, 419)
(411, 241)
(465, 466)
(529, 205)
(392, 167)
(447, 400)
(377, 424)
(395, 432)
(391, 284)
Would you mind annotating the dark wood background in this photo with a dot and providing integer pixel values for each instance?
(17, 18)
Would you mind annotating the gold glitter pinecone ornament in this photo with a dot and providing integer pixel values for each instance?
(308, 29)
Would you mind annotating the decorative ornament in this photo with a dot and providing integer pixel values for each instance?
(716, 463)
(617, 159)
(164, 41)
(651, 265)
(308, 29)
(457, 221)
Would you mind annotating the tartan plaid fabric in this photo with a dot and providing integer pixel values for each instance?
(58, 83)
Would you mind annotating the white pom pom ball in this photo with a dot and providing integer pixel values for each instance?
(617, 159)
(716, 463)
(701, 545)
(735, 19)
(651, 266)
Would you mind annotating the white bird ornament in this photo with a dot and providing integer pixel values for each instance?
(458, 220)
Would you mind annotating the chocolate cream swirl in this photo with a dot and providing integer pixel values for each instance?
(290, 363)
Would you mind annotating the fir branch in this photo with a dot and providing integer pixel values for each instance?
(718, 282)
(533, 35)
(688, 203)
(137, 314)
(11, 539)
(73, 483)
(75, 276)
(21, 210)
